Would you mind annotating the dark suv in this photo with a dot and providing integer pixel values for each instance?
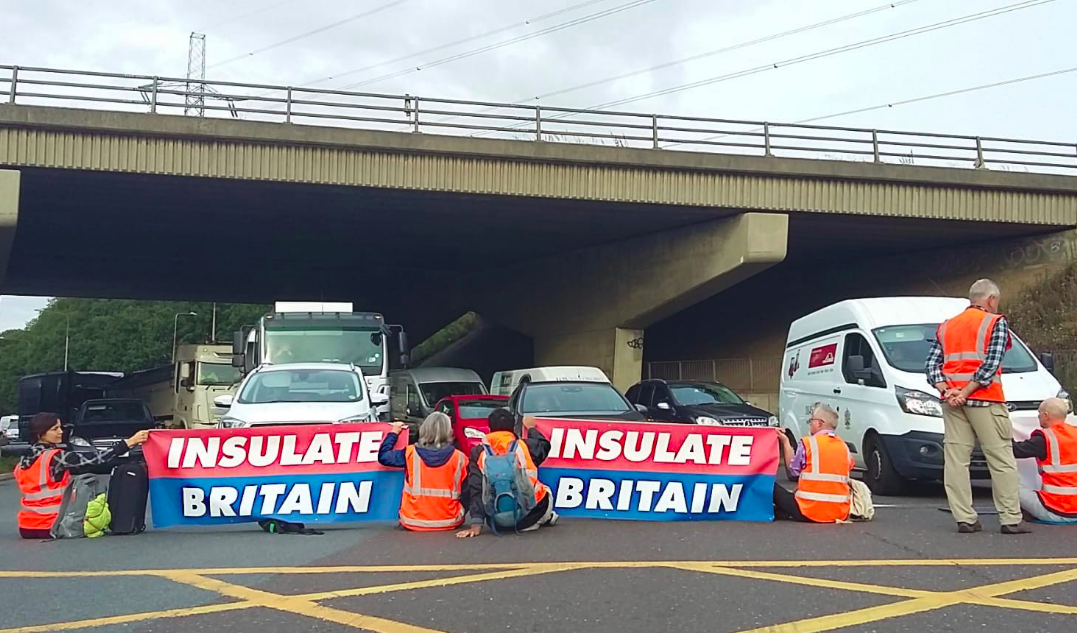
(102, 423)
(696, 402)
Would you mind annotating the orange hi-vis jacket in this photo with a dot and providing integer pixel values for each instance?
(431, 498)
(964, 340)
(41, 496)
(500, 442)
(823, 493)
(1059, 471)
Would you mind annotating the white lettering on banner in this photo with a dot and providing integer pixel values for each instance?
(221, 501)
(642, 446)
(597, 494)
(569, 492)
(260, 450)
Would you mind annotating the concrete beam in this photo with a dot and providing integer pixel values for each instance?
(9, 216)
(591, 306)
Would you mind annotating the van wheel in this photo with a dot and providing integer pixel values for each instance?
(880, 477)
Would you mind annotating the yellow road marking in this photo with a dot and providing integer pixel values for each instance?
(439, 582)
(129, 618)
(226, 571)
(808, 581)
(299, 606)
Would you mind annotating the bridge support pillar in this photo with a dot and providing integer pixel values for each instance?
(591, 307)
(9, 216)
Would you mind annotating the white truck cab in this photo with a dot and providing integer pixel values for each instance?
(503, 383)
(866, 357)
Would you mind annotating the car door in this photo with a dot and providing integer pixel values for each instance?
(858, 397)
(663, 397)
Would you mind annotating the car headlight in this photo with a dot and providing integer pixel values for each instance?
(366, 417)
(1065, 395)
(707, 421)
(473, 433)
(918, 402)
(228, 422)
(772, 421)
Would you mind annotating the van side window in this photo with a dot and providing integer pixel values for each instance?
(857, 345)
(413, 397)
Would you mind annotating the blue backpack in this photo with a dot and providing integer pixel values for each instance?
(507, 492)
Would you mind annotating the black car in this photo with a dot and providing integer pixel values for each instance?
(572, 399)
(102, 423)
(696, 402)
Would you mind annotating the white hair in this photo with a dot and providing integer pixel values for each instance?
(435, 431)
(1055, 408)
(826, 413)
(983, 289)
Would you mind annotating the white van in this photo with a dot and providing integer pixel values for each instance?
(504, 382)
(865, 357)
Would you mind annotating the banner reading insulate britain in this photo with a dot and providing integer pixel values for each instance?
(660, 472)
(303, 474)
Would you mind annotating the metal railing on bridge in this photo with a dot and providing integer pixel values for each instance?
(297, 104)
(739, 374)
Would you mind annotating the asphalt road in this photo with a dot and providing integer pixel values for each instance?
(906, 571)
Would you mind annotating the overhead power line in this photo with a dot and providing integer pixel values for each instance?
(478, 51)
(500, 29)
(248, 14)
(809, 57)
(320, 29)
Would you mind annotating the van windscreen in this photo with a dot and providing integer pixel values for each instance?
(906, 348)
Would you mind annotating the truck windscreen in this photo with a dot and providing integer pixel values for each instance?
(362, 348)
(218, 374)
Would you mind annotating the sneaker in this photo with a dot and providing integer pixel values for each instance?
(1017, 528)
(552, 520)
(969, 528)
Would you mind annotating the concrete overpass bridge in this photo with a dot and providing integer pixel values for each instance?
(582, 246)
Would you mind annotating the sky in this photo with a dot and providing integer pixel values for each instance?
(296, 42)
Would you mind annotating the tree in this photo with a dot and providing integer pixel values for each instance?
(110, 335)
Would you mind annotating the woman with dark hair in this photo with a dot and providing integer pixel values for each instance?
(44, 472)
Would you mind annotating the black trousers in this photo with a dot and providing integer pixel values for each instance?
(785, 506)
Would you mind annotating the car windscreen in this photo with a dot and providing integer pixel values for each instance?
(478, 409)
(435, 391)
(576, 398)
(105, 412)
(906, 348)
(703, 394)
(218, 374)
(302, 385)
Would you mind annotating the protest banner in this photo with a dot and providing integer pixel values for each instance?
(660, 472)
(303, 474)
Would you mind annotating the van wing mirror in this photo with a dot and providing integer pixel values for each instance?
(405, 349)
(1048, 361)
(857, 369)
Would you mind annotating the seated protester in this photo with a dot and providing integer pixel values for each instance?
(1054, 447)
(434, 473)
(44, 472)
(821, 466)
(530, 452)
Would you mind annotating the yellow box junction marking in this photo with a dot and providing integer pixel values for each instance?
(308, 605)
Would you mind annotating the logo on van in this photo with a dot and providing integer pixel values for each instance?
(823, 356)
(794, 364)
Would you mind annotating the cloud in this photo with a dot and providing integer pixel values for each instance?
(16, 312)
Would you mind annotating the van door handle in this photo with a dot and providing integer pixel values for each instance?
(836, 390)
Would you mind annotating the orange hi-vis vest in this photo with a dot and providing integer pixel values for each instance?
(500, 442)
(431, 498)
(823, 493)
(1059, 471)
(41, 496)
(964, 340)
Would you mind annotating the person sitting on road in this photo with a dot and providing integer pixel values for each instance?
(45, 471)
(821, 467)
(531, 452)
(1054, 447)
(434, 495)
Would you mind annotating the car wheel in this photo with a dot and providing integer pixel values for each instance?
(880, 477)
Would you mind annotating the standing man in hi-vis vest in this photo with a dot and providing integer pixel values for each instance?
(965, 365)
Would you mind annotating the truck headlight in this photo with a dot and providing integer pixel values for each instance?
(918, 402)
(473, 433)
(228, 422)
(1065, 395)
(772, 421)
(707, 421)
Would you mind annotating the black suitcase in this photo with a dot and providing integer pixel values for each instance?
(127, 492)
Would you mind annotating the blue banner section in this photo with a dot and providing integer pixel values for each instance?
(658, 496)
(307, 498)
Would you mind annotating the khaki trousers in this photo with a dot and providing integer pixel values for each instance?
(991, 426)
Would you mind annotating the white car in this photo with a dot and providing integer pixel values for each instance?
(299, 393)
